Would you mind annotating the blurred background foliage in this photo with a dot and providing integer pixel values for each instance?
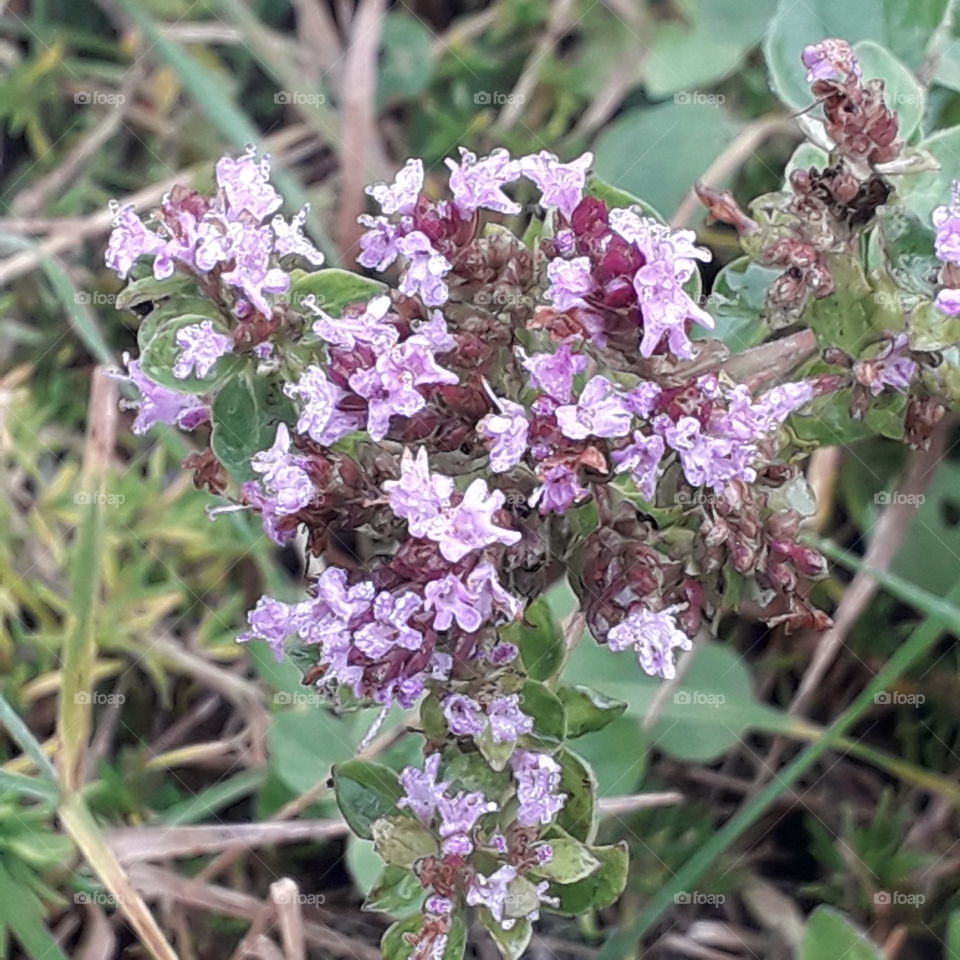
(120, 601)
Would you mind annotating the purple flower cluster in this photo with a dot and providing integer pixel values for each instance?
(621, 267)
(225, 234)
(538, 779)
(433, 441)
(830, 59)
(200, 348)
(503, 717)
(376, 643)
(158, 404)
(425, 232)
(946, 220)
(434, 510)
(496, 893)
(455, 819)
(654, 636)
(454, 816)
(370, 366)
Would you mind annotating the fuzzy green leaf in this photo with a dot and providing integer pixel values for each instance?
(335, 289)
(365, 792)
(587, 710)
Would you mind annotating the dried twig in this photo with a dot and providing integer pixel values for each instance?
(285, 895)
(360, 149)
(154, 882)
(561, 12)
(134, 844)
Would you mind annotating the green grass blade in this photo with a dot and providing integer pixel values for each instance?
(18, 783)
(21, 912)
(905, 591)
(214, 798)
(24, 739)
(80, 643)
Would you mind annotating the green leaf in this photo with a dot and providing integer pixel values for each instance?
(511, 943)
(335, 289)
(402, 841)
(23, 915)
(579, 814)
(365, 791)
(539, 640)
(496, 754)
(160, 354)
(948, 72)
(588, 710)
(245, 415)
(365, 864)
(903, 28)
(304, 744)
(702, 43)
(393, 946)
(469, 771)
(397, 893)
(843, 319)
(571, 861)
(922, 192)
(169, 310)
(828, 421)
(406, 58)
(546, 708)
(932, 544)
(432, 721)
(602, 887)
(829, 935)
(604, 752)
(931, 329)
(710, 710)
(148, 290)
(615, 198)
(737, 303)
(660, 151)
(902, 91)
(908, 249)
